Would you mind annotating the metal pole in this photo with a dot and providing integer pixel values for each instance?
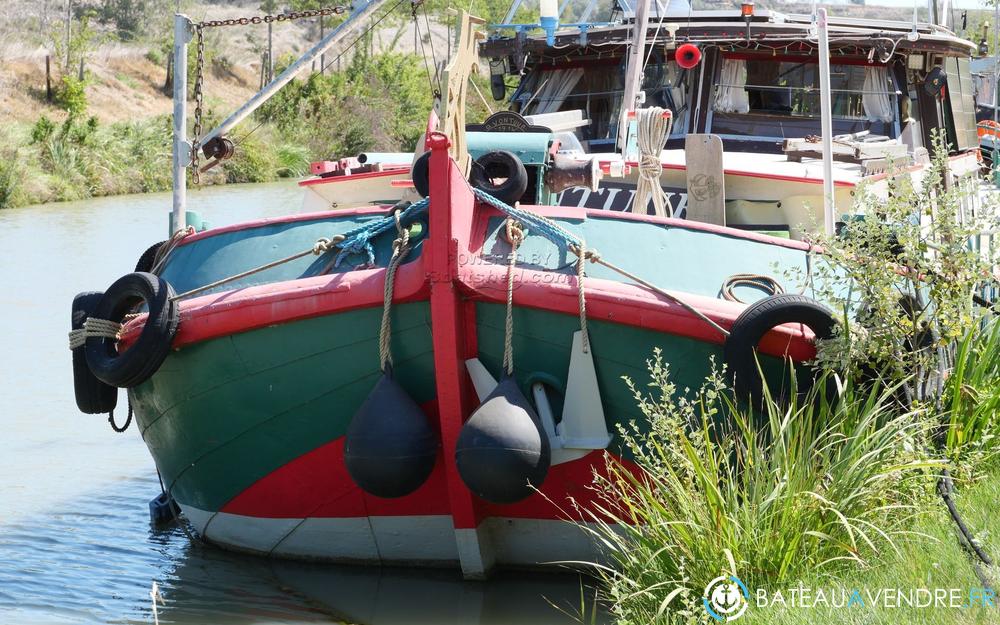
(335, 36)
(183, 31)
(69, 32)
(996, 62)
(826, 111)
(633, 72)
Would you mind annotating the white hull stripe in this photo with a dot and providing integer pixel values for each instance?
(428, 540)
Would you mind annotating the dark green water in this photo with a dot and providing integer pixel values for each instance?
(76, 545)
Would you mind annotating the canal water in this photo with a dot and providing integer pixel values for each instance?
(76, 545)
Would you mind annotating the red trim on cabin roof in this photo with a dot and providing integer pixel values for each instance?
(796, 58)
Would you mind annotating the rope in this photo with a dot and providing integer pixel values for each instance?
(594, 257)
(160, 258)
(653, 129)
(969, 543)
(101, 328)
(128, 421)
(758, 281)
(400, 248)
(581, 261)
(357, 241)
(515, 234)
(558, 235)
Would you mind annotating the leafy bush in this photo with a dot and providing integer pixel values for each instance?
(42, 129)
(71, 95)
(10, 180)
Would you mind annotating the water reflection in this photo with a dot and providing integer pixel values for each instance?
(75, 540)
(94, 559)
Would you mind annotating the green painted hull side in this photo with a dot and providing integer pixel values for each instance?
(222, 414)
(542, 344)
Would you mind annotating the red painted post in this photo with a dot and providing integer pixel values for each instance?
(449, 218)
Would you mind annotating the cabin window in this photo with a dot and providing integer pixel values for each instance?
(776, 100)
(598, 93)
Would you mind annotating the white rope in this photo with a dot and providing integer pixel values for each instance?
(400, 248)
(160, 258)
(515, 235)
(581, 296)
(101, 328)
(653, 129)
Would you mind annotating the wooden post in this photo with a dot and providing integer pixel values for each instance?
(270, 53)
(80, 76)
(69, 32)
(168, 83)
(48, 78)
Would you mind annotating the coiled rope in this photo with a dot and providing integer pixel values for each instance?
(653, 127)
(758, 281)
(400, 248)
(101, 328)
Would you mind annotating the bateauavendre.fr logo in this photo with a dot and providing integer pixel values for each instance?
(727, 598)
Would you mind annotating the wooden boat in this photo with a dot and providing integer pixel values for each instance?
(324, 385)
(247, 416)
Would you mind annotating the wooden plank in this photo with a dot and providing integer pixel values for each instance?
(706, 186)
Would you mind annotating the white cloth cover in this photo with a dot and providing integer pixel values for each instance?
(732, 96)
(876, 99)
(558, 84)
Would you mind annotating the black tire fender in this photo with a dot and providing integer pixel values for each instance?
(145, 262)
(500, 164)
(92, 395)
(420, 174)
(138, 363)
(757, 320)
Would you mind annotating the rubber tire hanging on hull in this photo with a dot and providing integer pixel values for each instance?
(500, 164)
(145, 263)
(420, 174)
(92, 395)
(138, 363)
(758, 319)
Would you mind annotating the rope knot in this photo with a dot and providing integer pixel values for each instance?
(650, 167)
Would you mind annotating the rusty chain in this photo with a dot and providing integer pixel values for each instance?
(281, 17)
(199, 81)
(199, 100)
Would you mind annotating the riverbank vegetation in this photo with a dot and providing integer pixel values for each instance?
(72, 142)
(836, 485)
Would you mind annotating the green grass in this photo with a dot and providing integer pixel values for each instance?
(929, 558)
(803, 487)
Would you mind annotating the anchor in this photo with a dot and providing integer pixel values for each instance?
(390, 448)
(583, 427)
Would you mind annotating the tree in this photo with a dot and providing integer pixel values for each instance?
(270, 6)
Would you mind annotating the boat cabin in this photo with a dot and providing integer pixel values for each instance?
(757, 82)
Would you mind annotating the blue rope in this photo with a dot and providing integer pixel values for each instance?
(359, 240)
(542, 225)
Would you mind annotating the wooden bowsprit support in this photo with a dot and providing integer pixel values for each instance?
(455, 81)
